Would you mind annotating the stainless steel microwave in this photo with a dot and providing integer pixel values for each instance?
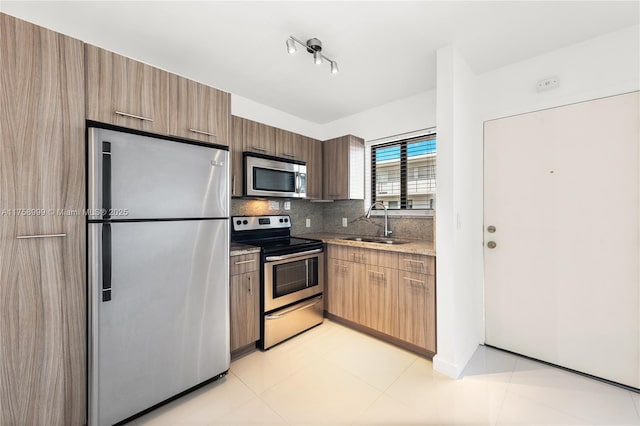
(267, 176)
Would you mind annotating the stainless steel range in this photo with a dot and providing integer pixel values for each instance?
(292, 276)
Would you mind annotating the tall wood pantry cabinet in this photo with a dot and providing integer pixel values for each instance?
(42, 230)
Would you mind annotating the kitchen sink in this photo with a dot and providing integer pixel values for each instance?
(375, 240)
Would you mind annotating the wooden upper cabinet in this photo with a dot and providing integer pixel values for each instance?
(289, 145)
(313, 156)
(343, 175)
(125, 92)
(259, 138)
(235, 151)
(198, 111)
(42, 275)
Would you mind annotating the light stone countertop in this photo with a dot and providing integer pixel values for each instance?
(238, 249)
(411, 246)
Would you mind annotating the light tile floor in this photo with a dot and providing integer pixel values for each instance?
(332, 375)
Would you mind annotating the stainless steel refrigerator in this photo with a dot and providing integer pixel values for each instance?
(158, 252)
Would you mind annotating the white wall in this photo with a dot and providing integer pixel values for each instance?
(602, 66)
(404, 115)
(252, 110)
(459, 216)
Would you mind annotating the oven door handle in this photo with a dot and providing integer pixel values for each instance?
(299, 308)
(291, 256)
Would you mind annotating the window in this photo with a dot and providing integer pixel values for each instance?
(403, 173)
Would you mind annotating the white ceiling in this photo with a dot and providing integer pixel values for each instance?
(386, 50)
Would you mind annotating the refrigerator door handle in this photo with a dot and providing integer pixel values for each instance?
(106, 262)
(106, 179)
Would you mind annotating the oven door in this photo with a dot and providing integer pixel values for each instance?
(292, 277)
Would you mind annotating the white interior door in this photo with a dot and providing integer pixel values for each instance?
(562, 190)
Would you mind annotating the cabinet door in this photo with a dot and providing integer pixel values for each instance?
(235, 152)
(244, 297)
(313, 156)
(336, 169)
(125, 92)
(378, 298)
(42, 280)
(341, 289)
(198, 111)
(417, 316)
(259, 138)
(289, 145)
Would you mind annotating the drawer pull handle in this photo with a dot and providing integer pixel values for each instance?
(242, 262)
(288, 155)
(419, 283)
(28, 237)
(202, 132)
(250, 285)
(414, 261)
(257, 148)
(139, 117)
(376, 273)
(295, 309)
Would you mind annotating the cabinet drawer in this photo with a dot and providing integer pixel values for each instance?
(244, 263)
(418, 263)
(362, 255)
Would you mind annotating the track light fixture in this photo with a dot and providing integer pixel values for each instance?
(313, 46)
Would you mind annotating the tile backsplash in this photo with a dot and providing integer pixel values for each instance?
(327, 217)
(299, 212)
(415, 228)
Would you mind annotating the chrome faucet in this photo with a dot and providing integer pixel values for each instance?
(387, 232)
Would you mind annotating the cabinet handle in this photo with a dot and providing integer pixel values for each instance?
(257, 148)
(343, 267)
(250, 285)
(233, 185)
(242, 262)
(124, 114)
(28, 237)
(420, 283)
(380, 274)
(288, 155)
(202, 132)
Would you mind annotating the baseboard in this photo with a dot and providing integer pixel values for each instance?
(447, 368)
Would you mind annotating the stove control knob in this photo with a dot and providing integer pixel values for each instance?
(238, 222)
(286, 220)
(245, 221)
(281, 220)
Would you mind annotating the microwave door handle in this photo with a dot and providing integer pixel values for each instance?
(297, 182)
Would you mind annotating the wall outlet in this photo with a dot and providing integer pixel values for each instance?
(308, 223)
(274, 205)
(548, 84)
(287, 205)
(344, 222)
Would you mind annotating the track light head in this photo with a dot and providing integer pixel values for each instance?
(317, 58)
(334, 67)
(291, 46)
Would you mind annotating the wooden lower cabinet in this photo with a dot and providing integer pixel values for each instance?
(374, 289)
(42, 248)
(244, 300)
(341, 299)
(378, 298)
(417, 309)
